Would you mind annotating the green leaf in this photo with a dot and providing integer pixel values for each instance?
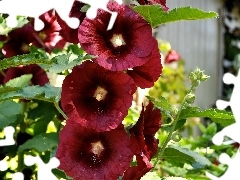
(63, 62)
(174, 154)
(222, 117)
(42, 114)
(19, 81)
(56, 64)
(8, 112)
(6, 89)
(61, 174)
(46, 93)
(156, 16)
(162, 104)
(25, 59)
(41, 142)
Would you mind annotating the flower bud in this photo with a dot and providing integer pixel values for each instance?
(192, 77)
(204, 78)
(174, 111)
(190, 98)
(176, 137)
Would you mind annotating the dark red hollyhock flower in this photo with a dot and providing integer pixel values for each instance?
(19, 41)
(95, 97)
(136, 172)
(50, 36)
(87, 154)
(128, 44)
(69, 34)
(151, 2)
(3, 38)
(236, 145)
(172, 56)
(39, 75)
(144, 144)
(145, 75)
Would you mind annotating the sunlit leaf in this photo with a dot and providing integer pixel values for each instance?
(162, 104)
(156, 16)
(19, 81)
(45, 93)
(224, 118)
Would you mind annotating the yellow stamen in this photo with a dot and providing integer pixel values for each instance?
(100, 93)
(117, 40)
(97, 148)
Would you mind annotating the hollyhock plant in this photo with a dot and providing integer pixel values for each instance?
(95, 97)
(39, 75)
(145, 75)
(87, 154)
(19, 41)
(128, 44)
(71, 35)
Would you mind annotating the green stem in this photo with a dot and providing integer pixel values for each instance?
(20, 161)
(162, 149)
(60, 110)
(3, 73)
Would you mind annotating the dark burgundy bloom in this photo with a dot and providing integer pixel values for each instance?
(145, 75)
(87, 154)
(172, 56)
(128, 44)
(144, 144)
(95, 97)
(69, 34)
(151, 2)
(3, 38)
(39, 75)
(145, 129)
(19, 41)
(136, 172)
(50, 36)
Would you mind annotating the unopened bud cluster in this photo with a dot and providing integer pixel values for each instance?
(197, 76)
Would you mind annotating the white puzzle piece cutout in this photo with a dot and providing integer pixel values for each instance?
(8, 141)
(3, 165)
(231, 131)
(44, 170)
(35, 8)
(95, 5)
(18, 176)
(8, 132)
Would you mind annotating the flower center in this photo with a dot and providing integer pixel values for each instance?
(42, 36)
(97, 148)
(24, 47)
(117, 40)
(100, 93)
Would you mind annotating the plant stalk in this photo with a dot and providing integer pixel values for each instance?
(162, 149)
